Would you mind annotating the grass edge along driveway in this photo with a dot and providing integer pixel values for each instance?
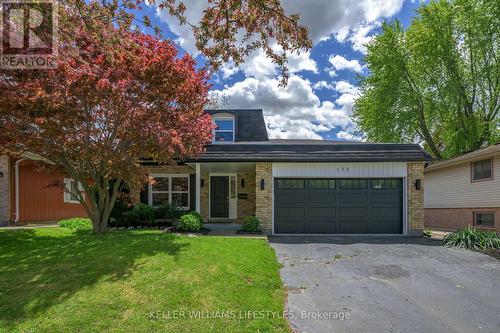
(54, 280)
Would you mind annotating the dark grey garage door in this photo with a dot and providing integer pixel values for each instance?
(338, 206)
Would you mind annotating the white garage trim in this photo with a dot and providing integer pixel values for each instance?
(341, 170)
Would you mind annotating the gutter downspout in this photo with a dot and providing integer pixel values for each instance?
(16, 220)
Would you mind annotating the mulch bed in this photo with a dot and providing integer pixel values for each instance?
(494, 253)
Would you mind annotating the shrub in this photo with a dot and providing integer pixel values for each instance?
(168, 212)
(251, 224)
(190, 222)
(117, 216)
(141, 214)
(472, 238)
(76, 223)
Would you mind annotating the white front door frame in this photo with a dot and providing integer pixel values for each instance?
(233, 202)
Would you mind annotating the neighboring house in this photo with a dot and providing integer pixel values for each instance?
(295, 186)
(464, 190)
(38, 198)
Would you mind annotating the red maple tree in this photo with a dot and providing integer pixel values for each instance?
(106, 106)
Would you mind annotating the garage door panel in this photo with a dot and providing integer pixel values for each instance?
(391, 198)
(321, 227)
(290, 199)
(354, 227)
(353, 212)
(290, 227)
(386, 228)
(357, 198)
(338, 206)
(291, 212)
(321, 198)
(329, 212)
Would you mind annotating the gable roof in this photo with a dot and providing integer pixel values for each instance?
(249, 123)
(473, 155)
(311, 151)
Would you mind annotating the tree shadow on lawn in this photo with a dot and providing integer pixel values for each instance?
(39, 268)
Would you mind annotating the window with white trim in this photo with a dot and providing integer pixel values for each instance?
(169, 190)
(70, 195)
(224, 130)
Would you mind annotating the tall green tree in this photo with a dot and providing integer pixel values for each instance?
(438, 81)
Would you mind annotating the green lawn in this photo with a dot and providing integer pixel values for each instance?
(55, 280)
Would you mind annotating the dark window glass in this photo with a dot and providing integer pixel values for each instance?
(482, 169)
(290, 183)
(160, 199)
(353, 184)
(485, 219)
(180, 199)
(383, 184)
(223, 136)
(322, 183)
(161, 184)
(180, 184)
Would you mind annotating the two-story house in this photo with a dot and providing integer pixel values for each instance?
(294, 186)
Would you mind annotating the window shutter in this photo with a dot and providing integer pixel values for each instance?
(145, 194)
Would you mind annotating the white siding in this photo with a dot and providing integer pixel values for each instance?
(341, 170)
(451, 188)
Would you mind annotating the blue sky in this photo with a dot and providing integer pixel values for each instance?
(317, 102)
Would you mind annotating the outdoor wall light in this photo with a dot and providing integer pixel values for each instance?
(242, 183)
(1, 174)
(418, 184)
(262, 184)
(202, 182)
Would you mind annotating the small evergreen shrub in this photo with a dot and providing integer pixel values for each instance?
(140, 215)
(251, 224)
(76, 223)
(190, 222)
(472, 238)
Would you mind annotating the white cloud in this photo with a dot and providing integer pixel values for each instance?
(323, 85)
(340, 63)
(293, 111)
(359, 37)
(257, 65)
(348, 95)
(344, 135)
(321, 17)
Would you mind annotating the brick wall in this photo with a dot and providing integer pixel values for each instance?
(246, 207)
(455, 218)
(415, 199)
(264, 198)
(4, 189)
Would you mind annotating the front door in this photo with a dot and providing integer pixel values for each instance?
(219, 196)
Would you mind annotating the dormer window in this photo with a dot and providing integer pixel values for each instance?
(224, 131)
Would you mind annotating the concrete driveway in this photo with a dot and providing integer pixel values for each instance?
(387, 284)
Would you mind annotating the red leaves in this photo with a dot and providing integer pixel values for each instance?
(117, 96)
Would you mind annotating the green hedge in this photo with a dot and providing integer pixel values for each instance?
(76, 223)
